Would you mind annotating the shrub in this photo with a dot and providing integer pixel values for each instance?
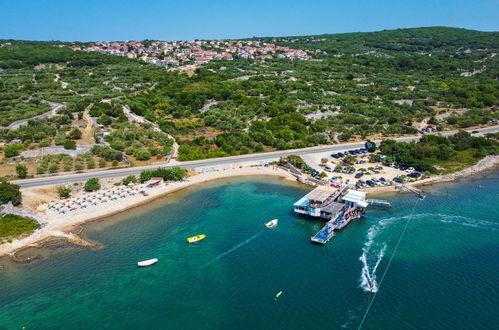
(70, 144)
(15, 225)
(92, 185)
(63, 192)
(12, 150)
(142, 154)
(107, 153)
(10, 193)
(129, 179)
(22, 171)
(75, 134)
(53, 167)
(90, 163)
(175, 173)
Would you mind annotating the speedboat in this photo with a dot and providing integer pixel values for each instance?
(271, 224)
(195, 239)
(146, 263)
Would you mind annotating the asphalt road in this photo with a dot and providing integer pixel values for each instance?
(267, 156)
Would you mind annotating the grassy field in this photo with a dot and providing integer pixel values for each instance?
(12, 225)
(459, 161)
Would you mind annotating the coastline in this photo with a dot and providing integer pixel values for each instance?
(61, 226)
(487, 163)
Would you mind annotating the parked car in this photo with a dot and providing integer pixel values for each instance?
(335, 156)
(359, 175)
(475, 132)
(398, 179)
(341, 154)
(414, 174)
(370, 183)
(328, 169)
(409, 169)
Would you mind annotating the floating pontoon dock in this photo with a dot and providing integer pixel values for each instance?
(338, 206)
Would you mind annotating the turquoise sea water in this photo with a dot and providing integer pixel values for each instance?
(444, 275)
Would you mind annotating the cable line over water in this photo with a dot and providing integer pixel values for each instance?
(388, 265)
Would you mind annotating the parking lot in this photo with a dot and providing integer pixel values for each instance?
(366, 172)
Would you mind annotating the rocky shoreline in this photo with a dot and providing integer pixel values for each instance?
(488, 163)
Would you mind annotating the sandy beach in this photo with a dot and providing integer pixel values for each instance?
(60, 217)
(57, 220)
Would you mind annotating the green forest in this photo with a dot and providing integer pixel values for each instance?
(357, 85)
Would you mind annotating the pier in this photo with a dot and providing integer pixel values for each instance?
(414, 190)
(338, 206)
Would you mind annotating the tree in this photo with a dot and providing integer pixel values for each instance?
(22, 171)
(12, 150)
(323, 175)
(75, 134)
(175, 173)
(92, 185)
(370, 146)
(350, 159)
(69, 144)
(10, 193)
(63, 192)
(324, 161)
(142, 154)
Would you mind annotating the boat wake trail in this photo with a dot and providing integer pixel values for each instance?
(372, 254)
(221, 255)
(234, 248)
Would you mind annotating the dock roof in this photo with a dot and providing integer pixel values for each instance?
(320, 194)
(332, 207)
(354, 196)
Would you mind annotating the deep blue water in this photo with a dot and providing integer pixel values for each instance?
(444, 275)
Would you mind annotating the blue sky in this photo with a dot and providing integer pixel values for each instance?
(91, 20)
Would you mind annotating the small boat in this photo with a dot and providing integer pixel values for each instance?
(271, 223)
(278, 294)
(146, 263)
(196, 238)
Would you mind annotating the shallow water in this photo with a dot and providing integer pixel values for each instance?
(443, 276)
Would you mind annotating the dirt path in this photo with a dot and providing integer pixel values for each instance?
(87, 137)
(132, 117)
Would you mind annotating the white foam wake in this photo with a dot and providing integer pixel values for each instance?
(372, 254)
(368, 275)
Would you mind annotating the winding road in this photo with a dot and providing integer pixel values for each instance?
(267, 156)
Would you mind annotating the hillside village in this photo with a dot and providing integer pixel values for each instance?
(173, 53)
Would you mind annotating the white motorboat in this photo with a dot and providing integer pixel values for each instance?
(146, 263)
(271, 224)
